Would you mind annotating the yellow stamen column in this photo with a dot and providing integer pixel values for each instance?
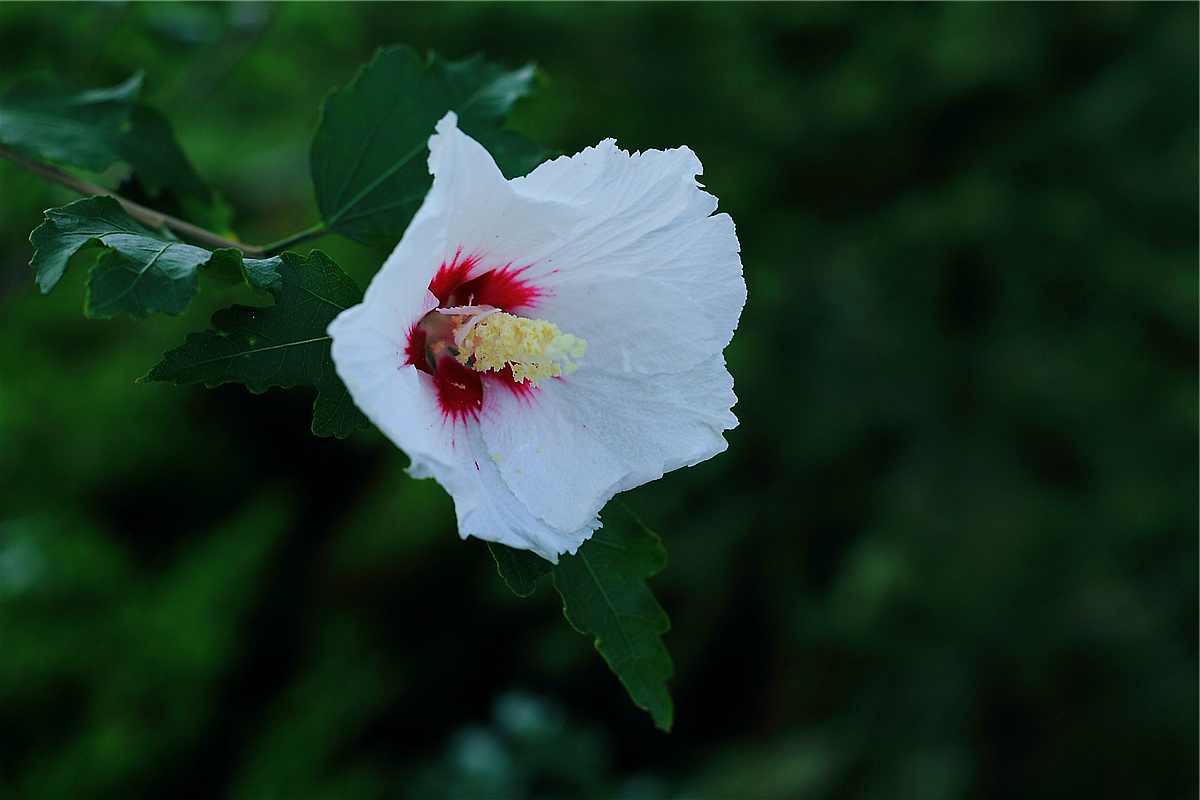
(533, 348)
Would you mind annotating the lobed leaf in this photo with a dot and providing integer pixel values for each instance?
(520, 569)
(604, 593)
(370, 149)
(140, 273)
(284, 345)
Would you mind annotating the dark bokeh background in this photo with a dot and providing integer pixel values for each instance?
(951, 551)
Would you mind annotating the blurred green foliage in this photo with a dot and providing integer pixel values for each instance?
(951, 551)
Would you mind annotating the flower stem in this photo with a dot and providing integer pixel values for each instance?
(146, 216)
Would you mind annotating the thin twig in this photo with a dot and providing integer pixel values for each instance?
(147, 216)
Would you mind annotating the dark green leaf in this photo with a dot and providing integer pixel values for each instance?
(370, 149)
(284, 345)
(69, 228)
(520, 569)
(604, 593)
(229, 266)
(50, 119)
(149, 146)
(53, 120)
(140, 273)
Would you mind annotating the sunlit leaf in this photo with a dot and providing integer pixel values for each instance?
(283, 345)
(369, 151)
(140, 273)
(520, 569)
(604, 593)
(53, 120)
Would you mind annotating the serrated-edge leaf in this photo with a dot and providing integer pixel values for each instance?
(604, 593)
(283, 345)
(230, 266)
(140, 273)
(520, 569)
(57, 239)
(351, 133)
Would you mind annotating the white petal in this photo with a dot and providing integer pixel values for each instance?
(398, 398)
(568, 448)
(481, 213)
(488, 510)
(402, 402)
(634, 325)
(470, 198)
(648, 226)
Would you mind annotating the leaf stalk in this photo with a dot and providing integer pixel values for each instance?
(275, 248)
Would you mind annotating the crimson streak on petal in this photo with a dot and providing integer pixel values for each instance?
(501, 288)
(460, 388)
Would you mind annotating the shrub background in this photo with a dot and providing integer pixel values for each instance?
(951, 551)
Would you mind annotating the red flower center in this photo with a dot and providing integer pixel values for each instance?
(460, 389)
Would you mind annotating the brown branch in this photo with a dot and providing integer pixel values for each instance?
(147, 216)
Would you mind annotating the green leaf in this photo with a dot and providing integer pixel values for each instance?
(605, 594)
(67, 229)
(520, 569)
(140, 273)
(283, 345)
(370, 149)
(230, 267)
(149, 146)
(53, 120)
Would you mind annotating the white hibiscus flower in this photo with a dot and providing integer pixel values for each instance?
(539, 344)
